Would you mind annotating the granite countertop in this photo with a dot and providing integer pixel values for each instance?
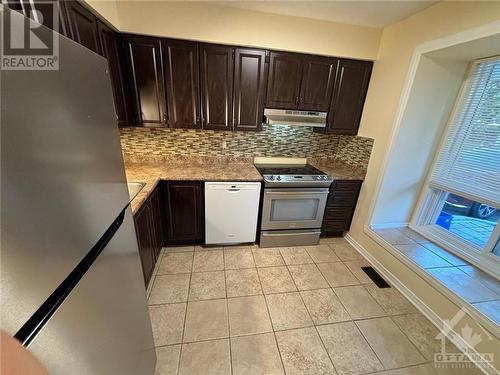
(337, 169)
(189, 168)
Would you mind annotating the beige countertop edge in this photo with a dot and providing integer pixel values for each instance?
(151, 183)
(339, 173)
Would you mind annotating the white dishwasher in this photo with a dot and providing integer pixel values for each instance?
(231, 210)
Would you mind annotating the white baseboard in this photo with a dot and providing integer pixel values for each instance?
(419, 304)
(389, 225)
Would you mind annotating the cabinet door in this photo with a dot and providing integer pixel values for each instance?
(50, 13)
(318, 74)
(349, 93)
(145, 240)
(146, 78)
(283, 85)
(111, 51)
(182, 83)
(157, 221)
(249, 88)
(185, 212)
(216, 86)
(83, 26)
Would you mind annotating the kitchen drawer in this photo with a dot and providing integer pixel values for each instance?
(343, 199)
(337, 213)
(340, 206)
(346, 185)
(335, 226)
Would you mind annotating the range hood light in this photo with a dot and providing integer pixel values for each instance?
(295, 118)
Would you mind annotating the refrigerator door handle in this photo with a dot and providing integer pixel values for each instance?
(42, 315)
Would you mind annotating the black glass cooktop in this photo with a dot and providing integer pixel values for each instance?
(287, 169)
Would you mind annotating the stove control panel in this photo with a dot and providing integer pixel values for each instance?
(298, 180)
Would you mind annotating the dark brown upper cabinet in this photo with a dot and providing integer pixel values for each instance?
(111, 51)
(300, 81)
(50, 13)
(145, 75)
(216, 81)
(318, 74)
(184, 211)
(249, 88)
(83, 26)
(182, 83)
(349, 93)
(283, 85)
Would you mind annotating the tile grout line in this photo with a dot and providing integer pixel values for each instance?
(314, 325)
(269, 313)
(370, 345)
(353, 321)
(326, 350)
(409, 338)
(227, 312)
(312, 321)
(185, 315)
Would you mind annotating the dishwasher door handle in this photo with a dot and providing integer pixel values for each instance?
(233, 190)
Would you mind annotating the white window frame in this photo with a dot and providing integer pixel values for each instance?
(431, 202)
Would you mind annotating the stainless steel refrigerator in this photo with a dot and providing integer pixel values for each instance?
(71, 284)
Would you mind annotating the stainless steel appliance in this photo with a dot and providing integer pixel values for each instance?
(294, 201)
(294, 117)
(72, 288)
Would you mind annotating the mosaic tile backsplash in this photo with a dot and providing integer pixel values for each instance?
(272, 140)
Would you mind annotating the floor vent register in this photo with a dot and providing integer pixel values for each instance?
(375, 276)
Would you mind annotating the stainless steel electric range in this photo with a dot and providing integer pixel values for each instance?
(295, 195)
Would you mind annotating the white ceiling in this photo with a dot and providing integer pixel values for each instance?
(366, 13)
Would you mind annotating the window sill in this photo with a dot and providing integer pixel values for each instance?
(461, 282)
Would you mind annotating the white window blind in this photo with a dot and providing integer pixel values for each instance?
(469, 159)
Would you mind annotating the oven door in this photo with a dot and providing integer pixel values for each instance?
(293, 208)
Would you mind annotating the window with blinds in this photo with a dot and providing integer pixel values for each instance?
(469, 159)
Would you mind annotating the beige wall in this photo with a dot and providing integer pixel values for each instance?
(221, 24)
(424, 119)
(397, 45)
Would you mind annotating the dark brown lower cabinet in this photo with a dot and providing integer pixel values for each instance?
(340, 207)
(174, 214)
(157, 221)
(148, 227)
(143, 231)
(184, 211)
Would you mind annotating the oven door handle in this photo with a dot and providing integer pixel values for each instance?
(297, 232)
(296, 192)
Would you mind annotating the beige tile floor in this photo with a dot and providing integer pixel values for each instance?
(297, 310)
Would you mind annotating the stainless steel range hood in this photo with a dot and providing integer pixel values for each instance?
(296, 118)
